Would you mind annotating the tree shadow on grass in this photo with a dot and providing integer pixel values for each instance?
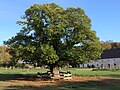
(114, 76)
(7, 77)
(105, 84)
(23, 77)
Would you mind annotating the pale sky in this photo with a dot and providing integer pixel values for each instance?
(104, 14)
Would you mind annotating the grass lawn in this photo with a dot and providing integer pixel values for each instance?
(90, 72)
(83, 79)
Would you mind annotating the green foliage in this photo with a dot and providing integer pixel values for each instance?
(48, 54)
(51, 35)
(20, 65)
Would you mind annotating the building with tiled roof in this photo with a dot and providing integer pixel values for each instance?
(109, 59)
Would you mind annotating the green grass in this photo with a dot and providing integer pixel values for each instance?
(21, 71)
(90, 72)
(12, 74)
(74, 71)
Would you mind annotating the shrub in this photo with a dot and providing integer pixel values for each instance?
(27, 66)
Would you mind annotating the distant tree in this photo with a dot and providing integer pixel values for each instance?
(4, 55)
(110, 44)
(53, 36)
(115, 45)
(106, 45)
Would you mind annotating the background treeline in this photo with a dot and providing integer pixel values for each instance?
(110, 44)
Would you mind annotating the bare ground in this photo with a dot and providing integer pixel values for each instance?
(75, 79)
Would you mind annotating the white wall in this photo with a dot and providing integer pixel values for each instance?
(105, 63)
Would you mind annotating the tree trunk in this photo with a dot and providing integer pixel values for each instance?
(55, 72)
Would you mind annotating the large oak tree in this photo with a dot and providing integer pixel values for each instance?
(55, 36)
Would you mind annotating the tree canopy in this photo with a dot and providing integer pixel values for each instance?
(52, 35)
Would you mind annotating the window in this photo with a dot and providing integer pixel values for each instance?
(108, 65)
(101, 65)
(114, 64)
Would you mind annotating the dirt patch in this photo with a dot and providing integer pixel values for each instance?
(38, 82)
